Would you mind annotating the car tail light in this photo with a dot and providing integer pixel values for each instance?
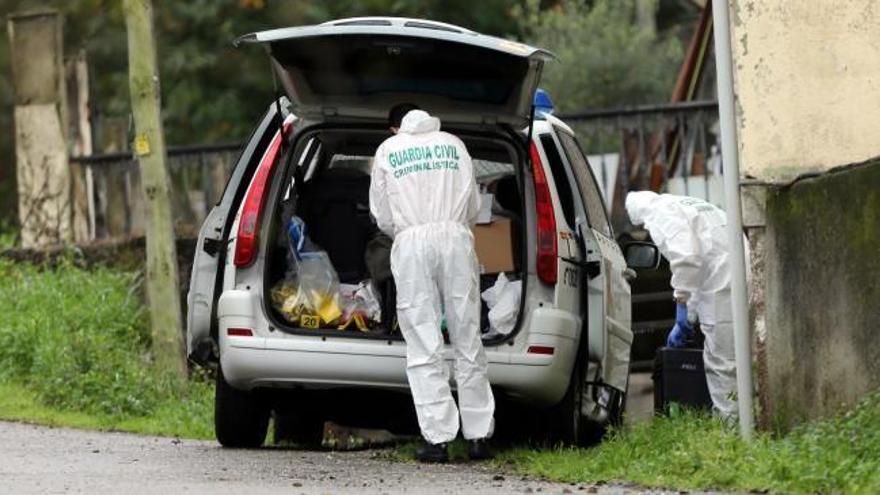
(547, 253)
(540, 349)
(246, 243)
(239, 332)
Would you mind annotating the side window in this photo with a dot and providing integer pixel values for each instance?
(586, 183)
(560, 178)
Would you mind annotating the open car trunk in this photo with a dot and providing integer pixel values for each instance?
(356, 69)
(336, 280)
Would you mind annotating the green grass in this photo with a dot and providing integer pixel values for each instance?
(74, 351)
(693, 451)
(187, 419)
(8, 235)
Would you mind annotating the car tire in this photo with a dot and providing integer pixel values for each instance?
(571, 427)
(241, 418)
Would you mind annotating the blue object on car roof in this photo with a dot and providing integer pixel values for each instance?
(542, 102)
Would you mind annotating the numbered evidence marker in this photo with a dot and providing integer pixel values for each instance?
(310, 321)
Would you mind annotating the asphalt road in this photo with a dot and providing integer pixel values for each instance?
(37, 459)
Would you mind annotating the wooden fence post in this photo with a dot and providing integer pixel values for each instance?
(77, 76)
(41, 153)
(113, 184)
(149, 146)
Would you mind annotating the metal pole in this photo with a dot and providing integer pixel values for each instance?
(730, 160)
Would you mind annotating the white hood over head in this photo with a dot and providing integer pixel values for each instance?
(638, 205)
(419, 122)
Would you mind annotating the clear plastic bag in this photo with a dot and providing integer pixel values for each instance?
(309, 294)
(317, 282)
(360, 298)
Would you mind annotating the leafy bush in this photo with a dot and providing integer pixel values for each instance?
(605, 57)
(78, 339)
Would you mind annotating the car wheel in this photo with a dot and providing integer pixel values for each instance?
(572, 428)
(241, 418)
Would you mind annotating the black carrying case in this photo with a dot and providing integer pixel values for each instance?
(679, 377)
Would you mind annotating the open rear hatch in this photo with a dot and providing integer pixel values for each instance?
(357, 69)
(343, 265)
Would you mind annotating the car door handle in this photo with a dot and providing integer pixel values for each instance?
(212, 246)
(592, 268)
(629, 274)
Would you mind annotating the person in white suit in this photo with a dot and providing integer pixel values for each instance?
(424, 195)
(691, 234)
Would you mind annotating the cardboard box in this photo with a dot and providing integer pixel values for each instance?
(494, 245)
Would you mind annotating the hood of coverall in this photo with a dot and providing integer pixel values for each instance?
(419, 122)
(638, 205)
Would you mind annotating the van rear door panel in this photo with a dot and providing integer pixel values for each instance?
(608, 292)
(206, 279)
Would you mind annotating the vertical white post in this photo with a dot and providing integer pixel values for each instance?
(730, 160)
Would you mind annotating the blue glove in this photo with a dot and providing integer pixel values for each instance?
(681, 318)
(682, 329)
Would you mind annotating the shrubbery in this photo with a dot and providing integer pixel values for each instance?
(606, 58)
(78, 339)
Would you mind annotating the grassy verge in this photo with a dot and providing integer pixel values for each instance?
(691, 451)
(186, 419)
(74, 352)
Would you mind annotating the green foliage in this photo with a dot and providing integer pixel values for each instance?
(694, 451)
(188, 418)
(211, 91)
(76, 337)
(8, 234)
(77, 340)
(605, 58)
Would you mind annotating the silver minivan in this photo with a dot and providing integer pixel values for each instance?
(566, 359)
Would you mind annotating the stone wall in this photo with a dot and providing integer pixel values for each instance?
(821, 349)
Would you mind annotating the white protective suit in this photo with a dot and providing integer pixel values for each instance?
(691, 234)
(424, 195)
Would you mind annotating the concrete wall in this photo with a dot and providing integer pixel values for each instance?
(821, 350)
(807, 84)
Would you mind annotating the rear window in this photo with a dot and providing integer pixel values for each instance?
(560, 178)
(374, 64)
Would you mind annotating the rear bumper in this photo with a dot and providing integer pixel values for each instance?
(271, 359)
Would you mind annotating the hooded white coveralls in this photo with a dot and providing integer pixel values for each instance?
(691, 234)
(424, 195)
